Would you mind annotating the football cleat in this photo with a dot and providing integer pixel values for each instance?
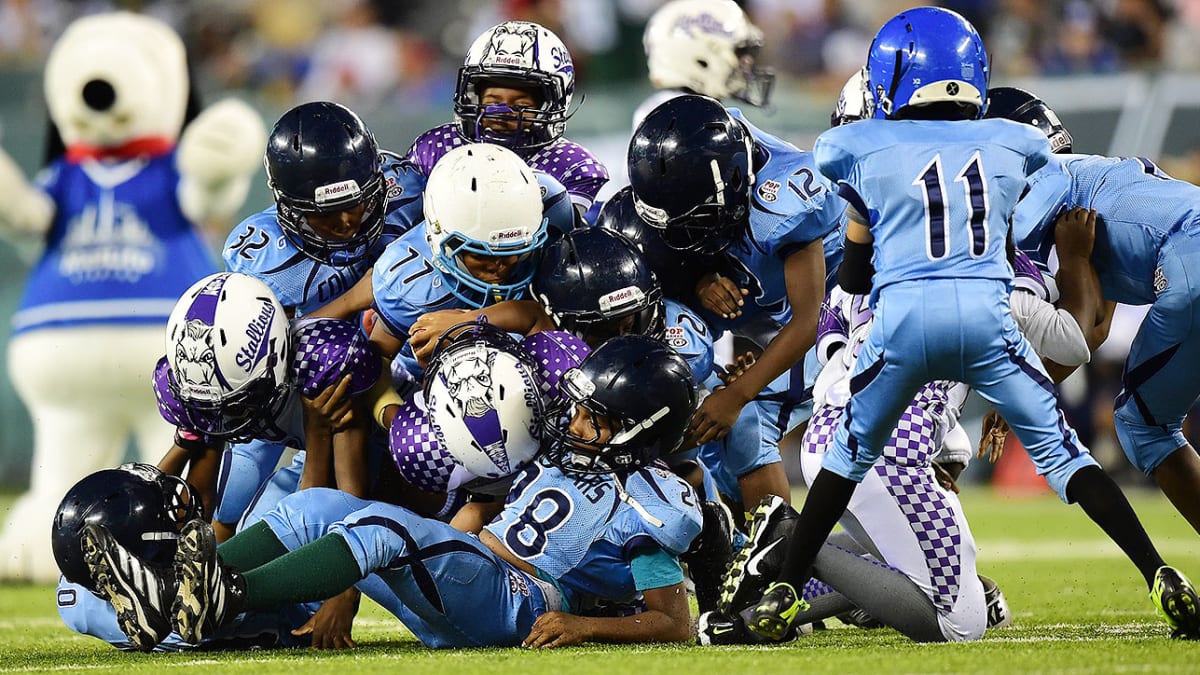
(1176, 600)
(759, 562)
(998, 614)
(711, 554)
(139, 593)
(772, 618)
(715, 628)
(210, 594)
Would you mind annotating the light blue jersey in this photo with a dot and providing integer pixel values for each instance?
(938, 196)
(690, 337)
(579, 531)
(451, 590)
(792, 205)
(259, 248)
(1146, 252)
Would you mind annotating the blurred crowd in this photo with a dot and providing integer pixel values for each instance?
(375, 50)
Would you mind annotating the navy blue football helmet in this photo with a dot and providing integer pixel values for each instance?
(141, 506)
(320, 159)
(690, 165)
(1018, 105)
(927, 55)
(643, 390)
(596, 285)
(677, 271)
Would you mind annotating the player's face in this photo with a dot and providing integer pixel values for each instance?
(591, 428)
(490, 269)
(599, 333)
(336, 225)
(515, 99)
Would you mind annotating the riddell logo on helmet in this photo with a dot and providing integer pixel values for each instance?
(630, 295)
(336, 191)
(513, 236)
(704, 23)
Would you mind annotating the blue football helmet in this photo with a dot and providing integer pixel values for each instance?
(691, 168)
(927, 55)
(643, 390)
(596, 285)
(1018, 105)
(320, 159)
(677, 271)
(141, 506)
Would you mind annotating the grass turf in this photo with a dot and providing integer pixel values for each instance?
(1079, 607)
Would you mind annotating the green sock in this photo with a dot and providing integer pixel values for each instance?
(315, 571)
(256, 545)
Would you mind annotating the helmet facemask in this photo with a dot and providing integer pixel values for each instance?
(293, 215)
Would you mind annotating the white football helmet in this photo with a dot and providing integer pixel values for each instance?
(707, 47)
(483, 199)
(484, 400)
(229, 351)
(855, 102)
(521, 55)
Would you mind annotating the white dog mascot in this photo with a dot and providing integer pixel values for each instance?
(120, 215)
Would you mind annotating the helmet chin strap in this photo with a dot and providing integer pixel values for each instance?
(641, 510)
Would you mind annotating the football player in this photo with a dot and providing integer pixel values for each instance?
(595, 520)
(515, 89)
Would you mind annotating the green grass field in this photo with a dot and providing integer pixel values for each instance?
(1079, 607)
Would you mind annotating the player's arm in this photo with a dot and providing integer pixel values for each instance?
(201, 460)
(525, 317)
(475, 514)
(856, 271)
(350, 304)
(667, 617)
(804, 275)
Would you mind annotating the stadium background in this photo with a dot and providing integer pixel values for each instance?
(1124, 75)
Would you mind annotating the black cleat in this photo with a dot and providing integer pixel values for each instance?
(139, 593)
(774, 617)
(761, 559)
(1176, 600)
(210, 594)
(711, 554)
(998, 614)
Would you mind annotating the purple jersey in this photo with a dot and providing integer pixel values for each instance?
(326, 349)
(568, 162)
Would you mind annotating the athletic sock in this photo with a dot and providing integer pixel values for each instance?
(315, 571)
(1106, 505)
(825, 503)
(256, 545)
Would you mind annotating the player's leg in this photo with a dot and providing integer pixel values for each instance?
(1019, 388)
(882, 386)
(1160, 382)
(283, 482)
(245, 467)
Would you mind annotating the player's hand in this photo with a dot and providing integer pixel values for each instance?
(944, 478)
(332, 405)
(713, 419)
(331, 625)
(556, 629)
(425, 331)
(720, 295)
(736, 369)
(1075, 232)
(994, 433)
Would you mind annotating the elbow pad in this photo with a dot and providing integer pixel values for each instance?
(856, 270)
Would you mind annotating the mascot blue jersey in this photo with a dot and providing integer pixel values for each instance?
(119, 250)
(578, 530)
(259, 248)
